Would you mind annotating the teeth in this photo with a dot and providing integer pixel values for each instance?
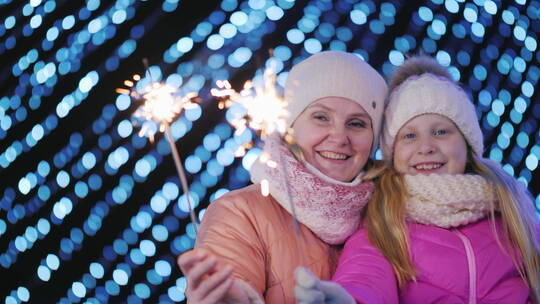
(428, 166)
(333, 155)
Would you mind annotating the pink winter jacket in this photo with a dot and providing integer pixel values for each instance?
(462, 265)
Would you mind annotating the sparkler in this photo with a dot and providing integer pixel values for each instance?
(265, 112)
(265, 108)
(161, 105)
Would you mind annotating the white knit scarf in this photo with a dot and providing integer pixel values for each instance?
(329, 208)
(448, 201)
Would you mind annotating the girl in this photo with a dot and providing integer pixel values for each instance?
(445, 225)
(335, 101)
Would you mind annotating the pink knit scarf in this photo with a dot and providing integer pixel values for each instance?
(329, 208)
(448, 201)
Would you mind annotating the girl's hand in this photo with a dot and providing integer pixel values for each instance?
(311, 290)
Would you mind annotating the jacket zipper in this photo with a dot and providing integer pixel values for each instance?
(472, 266)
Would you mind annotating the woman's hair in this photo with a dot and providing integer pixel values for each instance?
(294, 149)
(387, 231)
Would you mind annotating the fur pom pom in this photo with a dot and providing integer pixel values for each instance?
(418, 65)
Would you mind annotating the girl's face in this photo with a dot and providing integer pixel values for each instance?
(335, 136)
(430, 143)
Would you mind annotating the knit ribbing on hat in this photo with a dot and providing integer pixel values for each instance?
(430, 94)
(336, 74)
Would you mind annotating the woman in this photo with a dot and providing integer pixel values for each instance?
(247, 250)
(445, 225)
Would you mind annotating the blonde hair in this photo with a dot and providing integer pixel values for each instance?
(387, 231)
(295, 151)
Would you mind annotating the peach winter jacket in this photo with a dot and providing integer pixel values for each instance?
(254, 234)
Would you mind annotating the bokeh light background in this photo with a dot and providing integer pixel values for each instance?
(92, 213)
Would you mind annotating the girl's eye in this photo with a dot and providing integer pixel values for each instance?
(409, 136)
(441, 132)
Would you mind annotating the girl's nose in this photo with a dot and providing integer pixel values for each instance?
(426, 146)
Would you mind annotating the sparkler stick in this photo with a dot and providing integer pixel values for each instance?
(161, 104)
(181, 175)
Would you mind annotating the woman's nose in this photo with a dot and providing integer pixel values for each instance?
(338, 134)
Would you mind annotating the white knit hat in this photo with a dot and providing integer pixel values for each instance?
(429, 93)
(336, 74)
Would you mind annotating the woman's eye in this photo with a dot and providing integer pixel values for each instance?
(320, 117)
(358, 124)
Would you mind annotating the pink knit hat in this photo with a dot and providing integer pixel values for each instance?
(424, 89)
(336, 74)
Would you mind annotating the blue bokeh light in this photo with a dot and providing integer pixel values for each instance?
(80, 171)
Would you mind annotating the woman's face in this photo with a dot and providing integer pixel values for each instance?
(430, 143)
(335, 136)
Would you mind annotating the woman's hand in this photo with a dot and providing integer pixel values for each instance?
(311, 290)
(207, 281)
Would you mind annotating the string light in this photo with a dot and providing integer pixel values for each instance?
(73, 167)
